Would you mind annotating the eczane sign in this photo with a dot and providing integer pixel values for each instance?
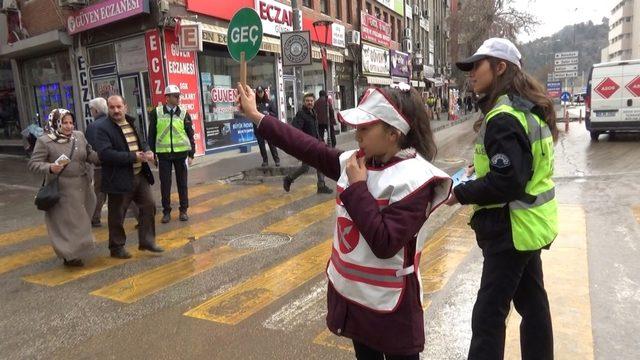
(276, 17)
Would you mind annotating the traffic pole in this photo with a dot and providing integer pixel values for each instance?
(566, 120)
(580, 118)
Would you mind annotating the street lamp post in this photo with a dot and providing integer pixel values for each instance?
(326, 24)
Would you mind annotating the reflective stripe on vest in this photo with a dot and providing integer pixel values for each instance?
(354, 270)
(172, 136)
(534, 224)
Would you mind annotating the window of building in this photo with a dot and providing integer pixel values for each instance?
(400, 29)
(369, 9)
(385, 17)
(335, 4)
(348, 10)
(378, 14)
(308, 3)
(323, 7)
(628, 18)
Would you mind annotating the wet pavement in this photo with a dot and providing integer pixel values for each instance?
(243, 279)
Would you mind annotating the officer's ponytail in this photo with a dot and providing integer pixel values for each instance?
(420, 136)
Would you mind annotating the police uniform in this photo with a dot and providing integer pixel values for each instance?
(171, 139)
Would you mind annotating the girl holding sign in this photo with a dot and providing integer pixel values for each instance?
(386, 191)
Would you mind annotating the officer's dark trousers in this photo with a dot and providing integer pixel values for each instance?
(263, 148)
(165, 166)
(506, 276)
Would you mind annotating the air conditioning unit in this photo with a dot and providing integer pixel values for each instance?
(9, 5)
(407, 32)
(407, 45)
(353, 37)
(416, 9)
(72, 3)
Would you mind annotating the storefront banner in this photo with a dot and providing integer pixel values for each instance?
(85, 89)
(395, 5)
(338, 35)
(103, 13)
(400, 64)
(224, 126)
(375, 60)
(221, 9)
(182, 70)
(276, 17)
(156, 67)
(375, 30)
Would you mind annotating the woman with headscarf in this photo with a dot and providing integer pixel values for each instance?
(68, 221)
(265, 106)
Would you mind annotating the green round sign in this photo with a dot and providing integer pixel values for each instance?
(244, 34)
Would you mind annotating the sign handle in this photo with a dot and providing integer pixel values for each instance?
(243, 69)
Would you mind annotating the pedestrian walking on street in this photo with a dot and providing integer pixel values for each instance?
(68, 221)
(171, 139)
(387, 190)
(320, 108)
(306, 121)
(99, 113)
(124, 156)
(515, 210)
(266, 107)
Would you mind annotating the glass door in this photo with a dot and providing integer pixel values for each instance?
(290, 98)
(133, 94)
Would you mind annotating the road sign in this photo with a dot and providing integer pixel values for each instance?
(569, 61)
(295, 48)
(565, 96)
(244, 38)
(561, 68)
(567, 54)
(563, 75)
(554, 88)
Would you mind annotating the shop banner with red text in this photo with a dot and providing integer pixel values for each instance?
(182, 70)
(156, 67)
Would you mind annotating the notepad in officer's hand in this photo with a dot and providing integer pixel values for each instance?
(461, 177)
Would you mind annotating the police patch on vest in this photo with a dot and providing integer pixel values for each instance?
(500, 161)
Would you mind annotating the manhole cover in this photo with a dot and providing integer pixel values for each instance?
(260, 241)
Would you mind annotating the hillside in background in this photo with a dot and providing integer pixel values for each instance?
(587, 38)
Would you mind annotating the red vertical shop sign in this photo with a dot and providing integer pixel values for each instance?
(156, 67)
(182, 70)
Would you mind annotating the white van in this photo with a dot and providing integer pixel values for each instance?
(613, 98)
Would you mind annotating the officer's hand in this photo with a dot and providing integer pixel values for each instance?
(190, 161)
(150, 156)
(452, 200)
(356, 169)
(247, 103)
(141, 157)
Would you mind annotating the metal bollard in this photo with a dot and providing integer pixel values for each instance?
(580, 118)
(566, 121)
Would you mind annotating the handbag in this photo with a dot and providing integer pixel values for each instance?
(49, 194)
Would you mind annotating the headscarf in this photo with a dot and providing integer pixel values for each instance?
(53, 124)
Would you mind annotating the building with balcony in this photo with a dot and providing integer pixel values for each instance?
(624, 32)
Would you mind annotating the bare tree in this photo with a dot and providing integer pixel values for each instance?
(478, 20)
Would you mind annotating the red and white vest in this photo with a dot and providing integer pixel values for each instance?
(354, 271)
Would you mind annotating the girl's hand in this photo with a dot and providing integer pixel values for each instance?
(452, 200)
(356, 169)
(56, 169)
(247, 104)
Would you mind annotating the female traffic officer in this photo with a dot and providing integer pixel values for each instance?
(515, 211)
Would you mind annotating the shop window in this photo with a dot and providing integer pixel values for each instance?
(102, 54)
(48, 83)
(224, 126)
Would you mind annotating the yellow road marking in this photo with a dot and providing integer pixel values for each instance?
(39, 231)
(566, 278)
(45, 252)
(636, 213)
(174, 239)
(256, 293)
(141, 285)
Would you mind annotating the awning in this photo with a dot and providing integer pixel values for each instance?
(218, 35)
(376, 80)
(36, 45)
(332, 55)
(436, 82)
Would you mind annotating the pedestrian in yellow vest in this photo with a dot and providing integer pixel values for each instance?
(171, 139)
(515, 210)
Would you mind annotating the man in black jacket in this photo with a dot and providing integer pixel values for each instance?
(127, 177)
(325, 123)
(306, 121)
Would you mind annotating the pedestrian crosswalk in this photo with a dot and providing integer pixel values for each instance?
(234, 209)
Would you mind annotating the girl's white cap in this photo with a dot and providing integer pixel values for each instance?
(373, 107)
(495, 47)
